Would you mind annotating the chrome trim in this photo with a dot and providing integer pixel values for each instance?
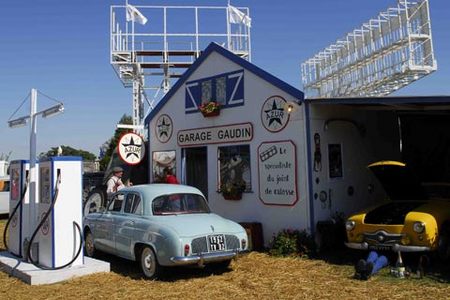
(203, 258)
(358, 246)
(393, 247)
(404, 248)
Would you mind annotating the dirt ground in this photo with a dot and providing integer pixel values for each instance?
(253, 276)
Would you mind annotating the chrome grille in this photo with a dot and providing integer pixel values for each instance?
(200, 245)
(232, 242)
(382, 237)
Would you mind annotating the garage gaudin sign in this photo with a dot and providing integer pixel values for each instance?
(215, 135)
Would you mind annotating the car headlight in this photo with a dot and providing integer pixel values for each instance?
(349, 225)
(419, 227)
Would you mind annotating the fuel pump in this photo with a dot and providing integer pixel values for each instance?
(58, 233)
(17, 225)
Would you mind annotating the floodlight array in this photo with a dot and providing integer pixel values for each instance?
(383, 55)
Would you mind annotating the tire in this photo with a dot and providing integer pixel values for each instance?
(95, 200)
(149, 263)
(89, 248)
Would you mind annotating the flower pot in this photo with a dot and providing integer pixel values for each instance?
(232, 196)
(211, 114)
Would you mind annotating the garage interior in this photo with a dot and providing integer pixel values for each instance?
(413, 130)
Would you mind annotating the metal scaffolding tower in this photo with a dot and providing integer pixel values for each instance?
(383, 55)
(151, 56)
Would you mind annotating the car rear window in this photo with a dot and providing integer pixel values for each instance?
(179, 204)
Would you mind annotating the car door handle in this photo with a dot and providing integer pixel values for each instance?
(129, 223)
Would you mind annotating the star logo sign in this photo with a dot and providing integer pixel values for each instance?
(164, 128)
(273, 114)
(131, 148)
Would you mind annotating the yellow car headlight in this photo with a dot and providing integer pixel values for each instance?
(419, 227)
(349, 225)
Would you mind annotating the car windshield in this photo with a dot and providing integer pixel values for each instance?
(174, 204)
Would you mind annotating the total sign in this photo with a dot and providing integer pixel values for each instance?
(131, 148)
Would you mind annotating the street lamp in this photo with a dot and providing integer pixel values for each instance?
(22, 121)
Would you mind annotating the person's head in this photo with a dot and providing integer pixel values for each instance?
(168, 171)
(117, 171)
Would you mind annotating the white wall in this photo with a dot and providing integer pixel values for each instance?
(256, 91)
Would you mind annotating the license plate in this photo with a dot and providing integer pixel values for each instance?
(380, 247)
(216, 242)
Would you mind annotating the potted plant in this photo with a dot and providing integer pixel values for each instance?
(233, 190)
(210, 109)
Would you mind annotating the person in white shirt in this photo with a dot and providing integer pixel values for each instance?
(115, 183)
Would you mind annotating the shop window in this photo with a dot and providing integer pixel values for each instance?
(162, 162)
(234, 166)
(206, 91)
(221, 90)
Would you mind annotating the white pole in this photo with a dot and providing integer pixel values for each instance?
(33, 170)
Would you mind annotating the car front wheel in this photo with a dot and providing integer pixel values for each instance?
(149, 264)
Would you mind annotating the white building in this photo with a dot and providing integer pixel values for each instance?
(301, 161)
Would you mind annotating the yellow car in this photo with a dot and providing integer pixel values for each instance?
(417, 217)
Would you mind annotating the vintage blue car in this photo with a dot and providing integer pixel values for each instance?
(163, 225)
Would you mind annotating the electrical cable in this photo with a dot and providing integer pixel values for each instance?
(21, 104)
(48, 97)
(22, 197)
(29, 257)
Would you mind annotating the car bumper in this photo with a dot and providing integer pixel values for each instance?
(393, 247)
(203, 258)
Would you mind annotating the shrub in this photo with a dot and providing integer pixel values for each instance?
(292, 242)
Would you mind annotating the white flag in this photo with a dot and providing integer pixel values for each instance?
(237, 16)
(133, 14)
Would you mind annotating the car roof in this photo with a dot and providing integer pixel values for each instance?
(157, 189)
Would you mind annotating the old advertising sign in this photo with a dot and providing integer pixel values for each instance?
(277, 171)
(164, 128)
(131, 148)
(274, 116)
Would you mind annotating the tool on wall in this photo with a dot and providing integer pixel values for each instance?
(317, 154)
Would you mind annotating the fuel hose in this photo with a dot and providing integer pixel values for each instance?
(19, 204)
(29, 257)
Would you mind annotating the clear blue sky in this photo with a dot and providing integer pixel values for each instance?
(62, 49)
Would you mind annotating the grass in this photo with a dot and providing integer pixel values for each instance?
(253, 276)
